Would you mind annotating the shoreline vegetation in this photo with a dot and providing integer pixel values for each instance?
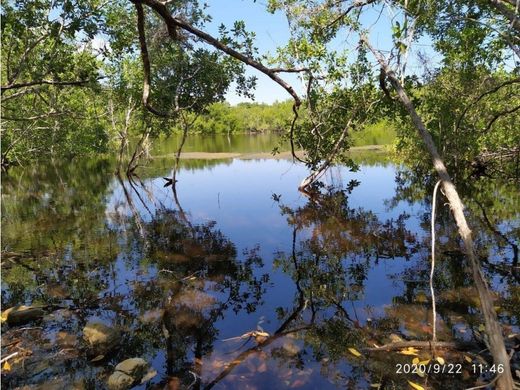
(258, 118)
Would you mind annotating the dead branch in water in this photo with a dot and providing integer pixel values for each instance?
(422, 345)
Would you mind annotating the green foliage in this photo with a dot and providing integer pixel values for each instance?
(464, 120)
(55, 103)
(73, 77)
(48, 48)
(244, 117)
(381, 133)
(476, 44)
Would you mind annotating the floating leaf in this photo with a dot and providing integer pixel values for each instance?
(467, 358)
(440, 360)
(375, 385)
(415, 361)
(354, 352)
(6, 367)
(409, 351)
(415, 385)
(5, 313)
(421, 297)
(98, 358)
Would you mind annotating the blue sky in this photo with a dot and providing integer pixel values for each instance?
(272, 31)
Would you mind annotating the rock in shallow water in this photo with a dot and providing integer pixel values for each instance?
(20, 315)
(120, 381)
(135, 367)
(101, 338)
(128, 373)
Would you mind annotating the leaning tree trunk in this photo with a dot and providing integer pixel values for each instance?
(493, 329)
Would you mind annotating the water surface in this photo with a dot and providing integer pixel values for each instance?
(236, 280)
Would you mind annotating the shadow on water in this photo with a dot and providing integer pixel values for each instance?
(240, 282)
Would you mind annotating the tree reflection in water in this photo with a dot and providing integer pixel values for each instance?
(175, 286)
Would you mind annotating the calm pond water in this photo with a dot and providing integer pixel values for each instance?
(237, 280)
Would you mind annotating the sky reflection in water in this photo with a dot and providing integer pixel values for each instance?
(236, 261)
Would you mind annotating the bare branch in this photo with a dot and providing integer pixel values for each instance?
(356, 4)
(146, 65)
(48, 82)
(289, 70)
(500, 115)
(504, 10)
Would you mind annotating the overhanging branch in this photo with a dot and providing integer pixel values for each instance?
(146, 65)
(48, 82)
(172, 23)
(504, 10)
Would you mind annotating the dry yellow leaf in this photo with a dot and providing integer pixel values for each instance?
(6, 367)
(467, 358)
(415, 385)
(409, 351)
(354, 352)
(440, 360)
(415, 361)
(5, 313)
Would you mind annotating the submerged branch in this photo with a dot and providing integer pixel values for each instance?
(423, 345)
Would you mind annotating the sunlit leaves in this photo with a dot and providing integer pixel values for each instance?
(6, 367)
(415, 386)
(409, 351)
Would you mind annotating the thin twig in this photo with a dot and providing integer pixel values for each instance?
(9, 357)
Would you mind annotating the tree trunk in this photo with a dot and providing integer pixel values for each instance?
(493, 329)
